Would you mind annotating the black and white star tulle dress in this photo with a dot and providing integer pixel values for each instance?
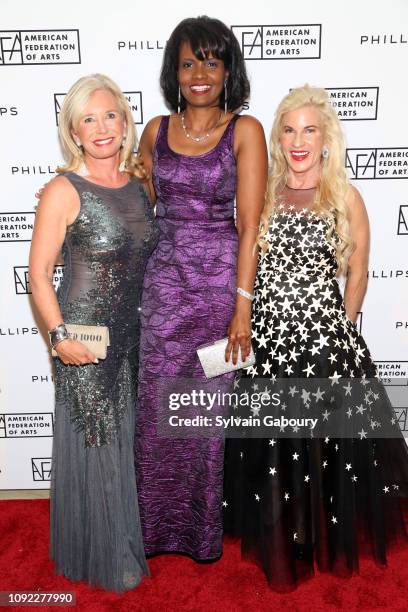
(95, 526)
(297, 501)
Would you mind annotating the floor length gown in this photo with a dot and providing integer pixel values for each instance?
(95, 526)
(302, 500)
(188, 301)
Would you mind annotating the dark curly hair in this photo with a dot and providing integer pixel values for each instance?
(206, 36)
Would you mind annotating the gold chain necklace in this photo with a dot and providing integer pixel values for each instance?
(198, 138)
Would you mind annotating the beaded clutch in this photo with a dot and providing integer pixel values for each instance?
(212, 358)
(95, 338)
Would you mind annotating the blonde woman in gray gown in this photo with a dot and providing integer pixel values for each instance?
(97, 212)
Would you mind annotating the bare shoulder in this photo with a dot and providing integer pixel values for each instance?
(249, 124)
(151, 128)
(59, 186)
(249, 134)
(59, 197)
(355, 203)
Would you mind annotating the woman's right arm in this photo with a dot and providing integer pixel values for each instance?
(58, 207)
(146, 146)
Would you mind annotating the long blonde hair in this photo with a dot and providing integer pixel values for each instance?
(333, 186)
(72, 107)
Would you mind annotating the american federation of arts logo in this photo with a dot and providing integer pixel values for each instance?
(354, 103)
(16, 226)
(393, 373)
(35, 47)
(390, 163)
(403, 220)
(27, 425)
(41, 467)
(134, 99)
(22, 281)
(277, 42)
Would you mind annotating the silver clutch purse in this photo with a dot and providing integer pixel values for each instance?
(212, 358)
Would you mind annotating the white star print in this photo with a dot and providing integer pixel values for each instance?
(347, 389)
(300, 327)
(335, 378)
(309, 369)
(319, 395)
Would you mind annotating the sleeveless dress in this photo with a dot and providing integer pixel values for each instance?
(188, 301)
(303, 500)
(95, 526)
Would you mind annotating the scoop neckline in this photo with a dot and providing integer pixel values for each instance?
(166, 139)
(300, 188)
(103, 186)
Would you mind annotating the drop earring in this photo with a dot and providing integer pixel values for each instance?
(325, 152)
(179, 100)
(225, 97)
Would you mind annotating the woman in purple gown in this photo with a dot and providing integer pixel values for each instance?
(202, 158)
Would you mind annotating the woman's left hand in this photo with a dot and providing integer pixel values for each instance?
(239, 336)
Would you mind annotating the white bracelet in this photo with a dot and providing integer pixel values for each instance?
(245, 294)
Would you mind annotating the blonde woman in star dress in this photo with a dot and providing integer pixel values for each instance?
(305, 501)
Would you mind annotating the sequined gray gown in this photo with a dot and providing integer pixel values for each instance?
(95, 526)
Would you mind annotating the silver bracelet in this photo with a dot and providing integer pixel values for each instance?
(58, 334)
(245, 294)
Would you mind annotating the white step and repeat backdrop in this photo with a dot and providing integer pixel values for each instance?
(357, 50)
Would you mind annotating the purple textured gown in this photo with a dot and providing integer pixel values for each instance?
(188, 300)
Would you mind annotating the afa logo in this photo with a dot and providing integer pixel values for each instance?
(274, 42)
(41, 468)
(359, 322)
(391, 163)
(22, 281)
(403, 220)
(401, 415)
(35, 47)
(134, 99)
